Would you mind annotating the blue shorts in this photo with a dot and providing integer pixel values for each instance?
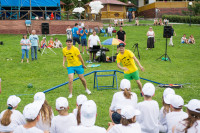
(183, 42)
(76, 39)
(77, 69)
(84, 42)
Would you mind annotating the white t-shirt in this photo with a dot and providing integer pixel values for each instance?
(148, 119)
(60, 124)
(93, 40)
(131, 128)
(75, 111)
(21, 129)
(115, 21)
(69, 31)
(162, 121)
(173, 119)
(82, 24)
(119, 101)
(58, 43)
(183, 39)
(194, 129)
(83, 129)
(110, 29)
(44, 125)
(151, 34)
(16, 119)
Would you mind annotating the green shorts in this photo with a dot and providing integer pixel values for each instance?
(131, 76)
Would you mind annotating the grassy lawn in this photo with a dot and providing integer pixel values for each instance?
(48, 72)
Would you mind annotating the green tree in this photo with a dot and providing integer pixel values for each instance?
(195, 8)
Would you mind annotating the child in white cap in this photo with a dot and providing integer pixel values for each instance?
(77, 112)
(31, 114)
(168, 92)
(123, 98)
(64, 120)
(88, 118)
(128, 122)
(149, 109)
(176, 114)
(11, 118)
(192, 123)
(46, 112)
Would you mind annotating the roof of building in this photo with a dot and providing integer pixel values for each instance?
(114, 2)
(62, 3)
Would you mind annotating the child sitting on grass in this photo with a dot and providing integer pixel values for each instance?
(64, 120)
(184, 39)
(149, 109)
(191, 40)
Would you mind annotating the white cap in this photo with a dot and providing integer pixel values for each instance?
(125, 84)
(61, 103)
(129, 112)
(167, 98)
(13, 101)
(39, 96)
(88, 113)
(81, 99)
(31, 111)
(193, 105)
(168, 91)
(176, 101)
(148, 89)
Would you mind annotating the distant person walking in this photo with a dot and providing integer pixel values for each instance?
(75, 34)
(130, 16)
(34, 44)
(121, 35)
(25, 45)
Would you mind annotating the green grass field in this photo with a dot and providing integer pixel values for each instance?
(48, 71)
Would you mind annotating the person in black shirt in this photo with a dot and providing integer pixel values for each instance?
(121, 35)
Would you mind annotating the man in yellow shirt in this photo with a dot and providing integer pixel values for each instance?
(128, 59)
(75, 63)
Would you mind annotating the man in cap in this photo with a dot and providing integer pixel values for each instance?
(128, 59)
(75, 63)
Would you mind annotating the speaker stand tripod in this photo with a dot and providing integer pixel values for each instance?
(136, 47)
(45, 51)
(166, 57)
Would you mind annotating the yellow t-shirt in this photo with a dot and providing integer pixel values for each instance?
(127, 61)
(72, 56)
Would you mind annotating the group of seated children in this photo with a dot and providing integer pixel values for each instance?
(188, 41)
(127, 115)
(159, 22)
(51, 43)
(118, 22)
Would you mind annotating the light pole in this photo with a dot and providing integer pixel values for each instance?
(190, 4)
(79, 5)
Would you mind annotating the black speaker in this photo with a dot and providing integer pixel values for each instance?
(45, 28)
(167, 33)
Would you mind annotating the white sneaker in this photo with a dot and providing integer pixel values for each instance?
(83, 52)
(88, 91)
(70, 96)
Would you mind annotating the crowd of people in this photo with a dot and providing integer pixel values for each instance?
(127, 115)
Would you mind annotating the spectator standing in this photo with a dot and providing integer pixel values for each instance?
(88, 119)
(75, 33)
(25, 46)
(84, 34)
(69, 32)
(172, 34)
(64, 120)
(110, 30)
(34, 44)
(149, 109)
(11, 118)
(121, 35)
(151, 38)
(130, 16)
(133, 13)
(92, 41)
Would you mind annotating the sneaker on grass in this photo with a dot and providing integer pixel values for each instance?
(88, 91)
(70, 96)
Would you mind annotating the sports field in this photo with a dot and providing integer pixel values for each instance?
(48, 71)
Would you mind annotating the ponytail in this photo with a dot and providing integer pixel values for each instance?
(191, 120)
(6, 119)
(127, 93)
(79, 115)
(126, 122)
